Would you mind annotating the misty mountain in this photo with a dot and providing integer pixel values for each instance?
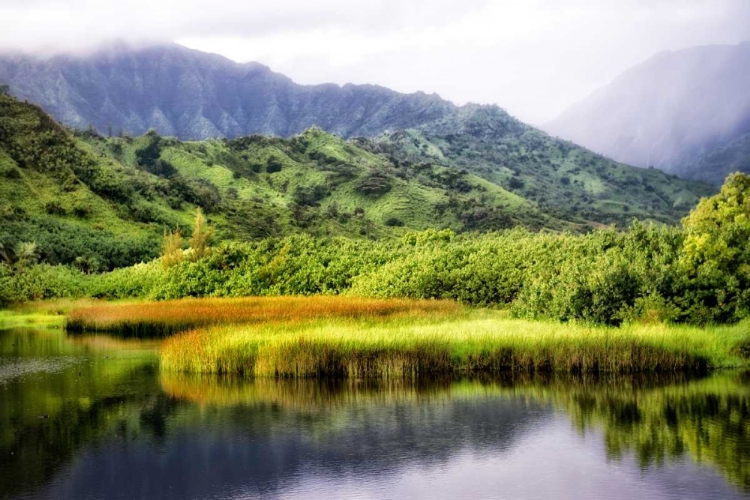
(686, 112)
(195, 95)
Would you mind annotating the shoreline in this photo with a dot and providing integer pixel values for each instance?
(350, 337)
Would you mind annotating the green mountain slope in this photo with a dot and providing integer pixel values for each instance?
(562, 179)
(104, 202)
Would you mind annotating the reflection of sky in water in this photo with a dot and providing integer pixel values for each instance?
(117, 428)
(540, 466)
(11, 368)
(498, 449)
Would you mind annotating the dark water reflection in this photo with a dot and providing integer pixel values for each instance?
(92, 417)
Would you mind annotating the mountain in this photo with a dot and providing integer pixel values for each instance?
(104, 202)
(686, 112)
(186, 93)
(195, 95)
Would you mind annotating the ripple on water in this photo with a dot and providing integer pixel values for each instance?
(14, 368)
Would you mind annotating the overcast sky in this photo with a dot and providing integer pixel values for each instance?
(532, 57)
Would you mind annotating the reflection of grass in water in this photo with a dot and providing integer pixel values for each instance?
(116, 346)
(657, 419)
(302, 394)
(473, 341)
(42, 342)
(165, 318)
(112, 360)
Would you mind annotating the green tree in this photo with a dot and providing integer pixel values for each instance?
(716, 253)
(27, 254)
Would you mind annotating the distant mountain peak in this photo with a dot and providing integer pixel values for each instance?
(669, 111)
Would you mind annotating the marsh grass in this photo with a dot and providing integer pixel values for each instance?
(477, 341)
(160, 319)
(351, 337)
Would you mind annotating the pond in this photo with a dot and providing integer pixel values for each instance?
(93, 417)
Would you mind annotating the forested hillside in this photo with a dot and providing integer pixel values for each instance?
(104, 202)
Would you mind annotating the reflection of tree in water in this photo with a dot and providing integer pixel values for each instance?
(45, 418)
(708, 420)
(263, 434)
(657, 418)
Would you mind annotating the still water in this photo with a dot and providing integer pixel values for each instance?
(92, 417)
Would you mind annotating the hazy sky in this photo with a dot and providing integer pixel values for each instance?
(532, 57)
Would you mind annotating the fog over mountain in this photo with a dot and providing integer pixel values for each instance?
(685, 112)
(532, 58)
(196, 95)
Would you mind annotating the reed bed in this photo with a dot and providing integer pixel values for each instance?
(161, 319)
(482, 342)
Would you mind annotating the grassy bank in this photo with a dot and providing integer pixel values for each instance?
(297, 337)
(468, 341)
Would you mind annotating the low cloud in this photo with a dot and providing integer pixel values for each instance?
(533, 57)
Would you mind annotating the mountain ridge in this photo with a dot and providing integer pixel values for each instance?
(196, 95)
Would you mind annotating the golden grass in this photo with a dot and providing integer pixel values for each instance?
(151, 319)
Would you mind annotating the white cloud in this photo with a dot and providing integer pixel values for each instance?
(533, 57)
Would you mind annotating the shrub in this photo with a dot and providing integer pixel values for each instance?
(54, 208)
(41, 282)
(273, 165)
(374, 183)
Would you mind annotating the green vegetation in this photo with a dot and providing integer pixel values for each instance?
(699, 274)
(356, 337)
(124, 195)
(13, 319)
(99, 203)
(560, 178)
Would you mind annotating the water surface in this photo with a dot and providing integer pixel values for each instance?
(93, 417)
